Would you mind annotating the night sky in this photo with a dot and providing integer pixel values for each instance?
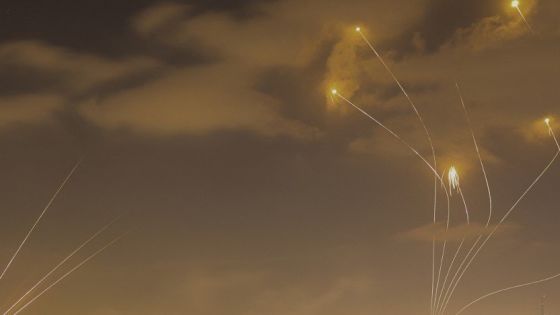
(246, 187)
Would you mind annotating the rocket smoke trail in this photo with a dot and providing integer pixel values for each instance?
(70, 272)
(62, 263)
(505, 290)
(428, 136)
(60, 188)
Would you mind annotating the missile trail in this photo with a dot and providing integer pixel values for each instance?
(505, 290)
(547, 122)
(467, 116)
(551, 131)
(391, 132)
(45, 209)
(525, 20)
(457, 272)
(508, 213)
(70, 272)
(483, 168)
(444, 248)
(62, 263)
(396, 136)
(439, 295)
(426, 131)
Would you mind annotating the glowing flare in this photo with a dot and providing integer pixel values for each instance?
(358, 29)
(453, 177)
(515, 4)
(547, 121)
(334, 92)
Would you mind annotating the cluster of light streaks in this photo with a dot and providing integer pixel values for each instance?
(547, 122)
(83, 262)
(60, 264)
(442, 292)
(41, 215)
(13, 308)
(454, 184)
(432, 148)
(445, 296)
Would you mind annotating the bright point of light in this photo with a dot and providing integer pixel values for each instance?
(453, 178)
(547, 121)
(515, 3)
(334, 91)
(358, 29)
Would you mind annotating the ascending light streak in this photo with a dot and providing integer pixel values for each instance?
(454, 182)
(69, 272)
(396, 136)
(436, 175)
(39, 219)
(506, 289)
(478, 154)
(61, 263)
(551, 131)
(428, 136)
(490, 202)
(440, 295)
(513, 207)
(443, 250)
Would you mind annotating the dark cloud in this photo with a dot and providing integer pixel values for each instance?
(442, 19)
(91, 26)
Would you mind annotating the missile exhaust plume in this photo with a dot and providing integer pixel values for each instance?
(45, 209)
(62, 263)
(70, 272)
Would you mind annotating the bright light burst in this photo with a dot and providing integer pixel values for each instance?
(453, 178)
(547, 121)
(358, 29)
(515, 4)
(334, 92)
